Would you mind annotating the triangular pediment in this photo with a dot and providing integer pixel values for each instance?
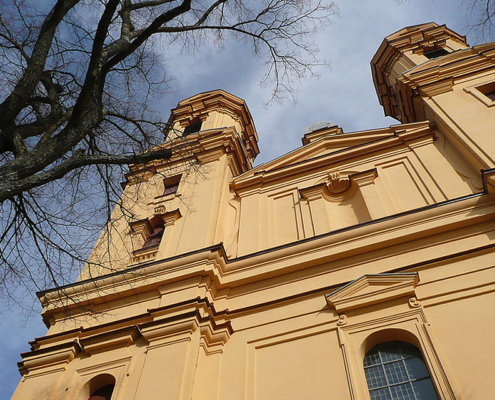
(320, 148)
(373, 289)
(329, 148)
(326, 145)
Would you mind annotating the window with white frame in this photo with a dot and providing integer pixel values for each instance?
(397, 371)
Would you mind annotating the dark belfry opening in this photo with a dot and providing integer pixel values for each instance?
(436, 53)
(194, 127)
(491, 95)
(155, 238)
(103, 393)
(101, 387)
(171, 184)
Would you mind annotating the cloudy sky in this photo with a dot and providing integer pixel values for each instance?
(343, 94)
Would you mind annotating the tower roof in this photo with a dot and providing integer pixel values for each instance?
(220, 99)
(414, 42)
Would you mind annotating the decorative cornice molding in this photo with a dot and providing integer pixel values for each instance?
(365, 177)
(115, 338)
(435, 77)
(49, 357)
(224, 273)
(193, 148)
(156, 325)
(220, 101)
(415, 39)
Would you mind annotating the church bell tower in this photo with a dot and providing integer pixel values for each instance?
(428, 72)
(145, 294)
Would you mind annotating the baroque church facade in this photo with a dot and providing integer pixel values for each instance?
(358, 266)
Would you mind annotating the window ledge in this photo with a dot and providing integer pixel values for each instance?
(479, 95)
(165, 197)
(142, 255)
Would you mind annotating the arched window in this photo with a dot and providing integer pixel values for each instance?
(101, 387)
(397, 371)
(103, 393)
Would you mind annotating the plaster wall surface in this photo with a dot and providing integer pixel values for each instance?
(275, 281)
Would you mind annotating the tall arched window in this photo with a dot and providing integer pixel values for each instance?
(397, 371)
(103, 393)
(101, 387)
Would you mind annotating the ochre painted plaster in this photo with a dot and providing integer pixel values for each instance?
(273, 282)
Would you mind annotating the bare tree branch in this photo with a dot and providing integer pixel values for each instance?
(76, 80)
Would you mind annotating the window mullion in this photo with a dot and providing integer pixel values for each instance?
(382, 364)
(409, 379)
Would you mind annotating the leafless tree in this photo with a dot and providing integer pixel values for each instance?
(481, 15)
(76, 78)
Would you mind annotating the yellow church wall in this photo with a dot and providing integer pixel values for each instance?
(278, 216)
(203, 190)
(469, 117)
(200, 202)
(344, 263)
(281, 335)
(274, 281)
(292, 359)
(461, 345)
(271, 217)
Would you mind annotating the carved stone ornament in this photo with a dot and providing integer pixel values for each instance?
(160, 209)
(319, 125)
(337, 184)
(414, 302)
(342, 320)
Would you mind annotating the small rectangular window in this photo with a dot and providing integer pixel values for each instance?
(488, 90)
(171, 184)
(436, 53)
(154, 238)
(484, 93)
(195, 128)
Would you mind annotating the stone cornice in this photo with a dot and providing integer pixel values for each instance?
(224, 273)
(440, 75)
(196, 147)
(433, 77)
(60, 354)
(415, 39)
(156, 324)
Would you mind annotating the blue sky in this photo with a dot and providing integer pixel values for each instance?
(344, 95)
